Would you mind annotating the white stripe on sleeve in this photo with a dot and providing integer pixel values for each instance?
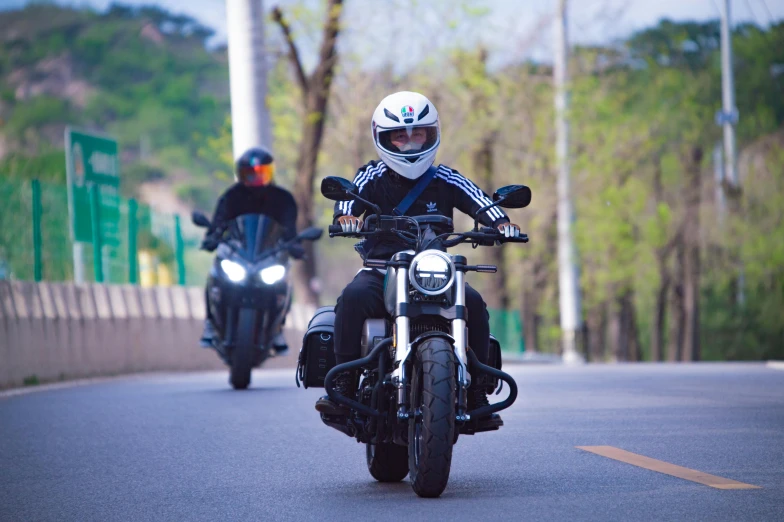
(471, 189)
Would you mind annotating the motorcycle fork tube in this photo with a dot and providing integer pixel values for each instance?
(402, 344)
(459, 334)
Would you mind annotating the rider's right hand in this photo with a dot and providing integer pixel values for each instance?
(350, 223)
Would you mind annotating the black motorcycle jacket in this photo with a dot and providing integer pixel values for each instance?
(449, 190)
(270, 200)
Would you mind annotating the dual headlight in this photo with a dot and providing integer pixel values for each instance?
(432, 272)
(238, 273)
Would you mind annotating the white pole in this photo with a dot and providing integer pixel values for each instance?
(78, 260)
(569, 289)
(730, 112)
(728, 119)
(247, 75)
(718, 174)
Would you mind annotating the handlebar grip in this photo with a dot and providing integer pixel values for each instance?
(335, 229)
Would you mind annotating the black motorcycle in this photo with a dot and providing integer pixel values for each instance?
(249, 289)
(415, 369)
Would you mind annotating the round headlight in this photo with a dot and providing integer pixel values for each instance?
(234, 271)
(272, 274)
(432, 272)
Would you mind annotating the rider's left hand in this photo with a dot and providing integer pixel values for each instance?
(297, 251)
(209, 244)
(509, 230)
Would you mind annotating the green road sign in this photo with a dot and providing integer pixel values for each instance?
(92, 165)
(93, 160)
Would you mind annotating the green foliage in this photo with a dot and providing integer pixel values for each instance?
(149, 74)
(36, 113)
(48, 165)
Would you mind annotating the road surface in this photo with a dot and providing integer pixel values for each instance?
(186, 447)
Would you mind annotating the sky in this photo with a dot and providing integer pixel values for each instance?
(511, 28)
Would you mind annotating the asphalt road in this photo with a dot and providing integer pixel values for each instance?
(186, 447)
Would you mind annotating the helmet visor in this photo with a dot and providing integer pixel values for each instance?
(408, 141)
(256, 175)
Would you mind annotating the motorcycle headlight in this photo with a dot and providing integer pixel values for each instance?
(432, 272)
(233, 270)
(272, 274)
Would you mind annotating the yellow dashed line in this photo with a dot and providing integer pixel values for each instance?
(665, 467)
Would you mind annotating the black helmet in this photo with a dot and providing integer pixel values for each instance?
(255, 168)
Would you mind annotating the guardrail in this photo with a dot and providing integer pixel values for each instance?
(58, 331)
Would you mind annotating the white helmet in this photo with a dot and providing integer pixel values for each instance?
(412, 152)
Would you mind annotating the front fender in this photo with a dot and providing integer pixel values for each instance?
(422, 338)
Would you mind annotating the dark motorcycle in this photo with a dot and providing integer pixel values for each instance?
(415, 368)
(248, 289)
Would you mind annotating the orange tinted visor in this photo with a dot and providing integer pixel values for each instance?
(260, 175)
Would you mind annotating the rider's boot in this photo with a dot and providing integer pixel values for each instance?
(477, 397)
(344, 385)
(279, 345)
(207, 335)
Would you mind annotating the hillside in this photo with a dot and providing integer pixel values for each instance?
(142, 75)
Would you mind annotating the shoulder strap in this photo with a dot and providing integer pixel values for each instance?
(415, 192)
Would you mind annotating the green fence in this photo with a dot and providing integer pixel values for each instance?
(507, 327)
(35, 241)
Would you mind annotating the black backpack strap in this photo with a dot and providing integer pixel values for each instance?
(415, 192)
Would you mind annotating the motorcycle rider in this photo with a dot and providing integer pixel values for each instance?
(253, 193)
(406, 133)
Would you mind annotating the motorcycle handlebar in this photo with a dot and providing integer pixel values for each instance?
(486, 236)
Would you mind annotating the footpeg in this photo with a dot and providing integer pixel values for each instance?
(339, 422)
(474, 426)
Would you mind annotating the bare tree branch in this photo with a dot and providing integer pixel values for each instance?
(322, 76)
(277, 16)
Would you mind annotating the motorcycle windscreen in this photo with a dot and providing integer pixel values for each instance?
(257, 233)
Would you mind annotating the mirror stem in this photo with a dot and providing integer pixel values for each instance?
(375, 207)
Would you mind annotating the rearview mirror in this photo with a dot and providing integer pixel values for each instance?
(199, 219)
(337, 189)
(513, 196)
(311, 234)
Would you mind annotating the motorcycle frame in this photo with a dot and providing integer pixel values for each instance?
(235, 296)
(400, 358)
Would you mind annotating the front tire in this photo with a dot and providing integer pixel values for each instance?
(244, 345)
(431, 431)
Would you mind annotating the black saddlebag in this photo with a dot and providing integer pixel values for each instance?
(317, 355)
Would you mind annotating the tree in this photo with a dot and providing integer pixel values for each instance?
(315, 90)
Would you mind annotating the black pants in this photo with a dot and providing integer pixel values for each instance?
(363, 298)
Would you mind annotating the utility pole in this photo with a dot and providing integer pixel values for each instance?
(728, 118)
(568, 284)
(247, 76)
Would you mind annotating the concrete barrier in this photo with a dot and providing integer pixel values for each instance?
(58, 331)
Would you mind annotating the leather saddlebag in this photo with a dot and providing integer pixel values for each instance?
(317, 355)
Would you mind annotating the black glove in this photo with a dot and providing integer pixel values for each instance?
(210, 243)
(297, 251)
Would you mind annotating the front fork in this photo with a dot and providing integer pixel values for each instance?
(400, 377)
(459, 332)
(402, 346)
